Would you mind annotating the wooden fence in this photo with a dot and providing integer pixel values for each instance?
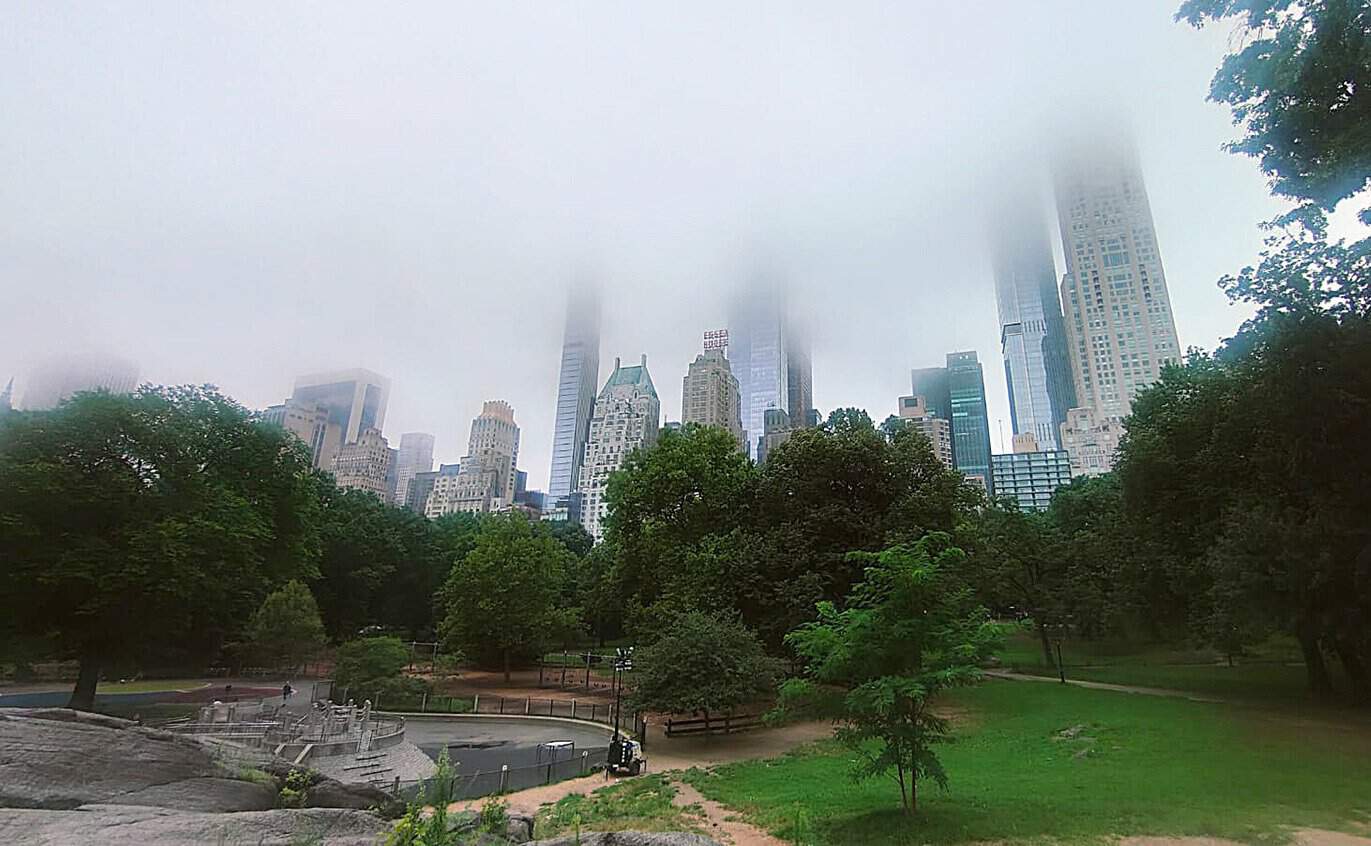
(726, 724)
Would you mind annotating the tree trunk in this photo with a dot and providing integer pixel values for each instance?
(913, 793)
(506, 665)
(1047, 645)
(1355, 667)
(904, 792)
(83, 696)
(1320, 685)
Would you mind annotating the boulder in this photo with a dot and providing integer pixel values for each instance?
(215, 795)
(123, 825)
(329, 793)
(59, 759)
(628, 838)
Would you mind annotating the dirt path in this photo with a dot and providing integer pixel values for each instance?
(1120, 688)
(721, 823)
(1300, 837)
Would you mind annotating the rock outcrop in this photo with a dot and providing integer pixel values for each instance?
(124, 825)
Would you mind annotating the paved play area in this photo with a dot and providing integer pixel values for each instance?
(482, 743)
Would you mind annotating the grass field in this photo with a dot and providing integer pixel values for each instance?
(1141, 765)
(1271, 673)
(640, 804)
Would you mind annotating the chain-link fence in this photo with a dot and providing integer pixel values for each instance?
(508, 779)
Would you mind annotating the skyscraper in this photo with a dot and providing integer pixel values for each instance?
(486, 478)
(307, 421)
(1032, 332)
(914, 413)
(759, 346)
(353, 400)
(709, 391)
(366, 464)
(627, 414)
(415, 456)
(956, 393)
(799, 377)
(1119, 326)
(57, 379)
(576, 382)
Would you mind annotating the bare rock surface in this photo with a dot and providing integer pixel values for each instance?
(124, 825)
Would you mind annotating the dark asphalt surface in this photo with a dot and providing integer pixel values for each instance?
(485, 744)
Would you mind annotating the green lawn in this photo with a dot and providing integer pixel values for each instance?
(1271, 673)
(1142, 765)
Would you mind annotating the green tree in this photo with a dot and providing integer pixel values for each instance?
(909, 630)
(286, 628)
(1016, 567)
(132, 520)
(364, 662)
(503, 600)
(702, 662)
(1299, 87)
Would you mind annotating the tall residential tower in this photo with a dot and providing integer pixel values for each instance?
(627, 415)
(770, 358)
(1032, 332)
(709, 391)
(576, 382)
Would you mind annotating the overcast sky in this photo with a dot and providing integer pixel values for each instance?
(243, 192)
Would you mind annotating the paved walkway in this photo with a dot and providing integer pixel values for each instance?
(1120, 688)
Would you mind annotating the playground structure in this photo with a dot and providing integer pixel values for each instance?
(326, 729)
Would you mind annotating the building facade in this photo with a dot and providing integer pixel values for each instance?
(365, 465)
(55, 380)
(956, 393)
(415, 455)
(1119, 326)
(759, 345)
(1030, 478)
(307, 421)
(353, 400)
(776, 430)
(1091, 443)
(800, 378)
(709, 395)
(418, 490)
(577, 379)
(627, 415)
(487, 475)
(1032, 332)
(914, 412)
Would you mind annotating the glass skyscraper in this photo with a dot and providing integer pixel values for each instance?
(577, 382)
(758, 348)
(1032, 332)
(956, 393)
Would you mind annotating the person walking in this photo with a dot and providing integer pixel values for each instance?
(286, 691)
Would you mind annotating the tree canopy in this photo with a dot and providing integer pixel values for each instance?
(702, 662)
(286, 628)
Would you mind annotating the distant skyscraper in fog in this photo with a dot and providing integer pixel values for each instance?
(759, 348)
(414, 456)
(956, 393)
(1120, 329)
(577, 381)
(799, 377)
(353, 401)
(1032, 332)
(57, 379)
(709, 391)
(627, 416)
(366, 464)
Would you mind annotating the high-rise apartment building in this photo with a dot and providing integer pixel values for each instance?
(776, 430)
(366, 464)
(354, 401)
(1030, 476)
(418, 490)
(759, 346)
(53, 381)
(914, 413)
(576, 382)
(956, 393)
(487, 478)
(414, 456)
(1091, 442)
(1119, 326)
(709, 393)
(1032, 332)
(627, 415)
(307, 421)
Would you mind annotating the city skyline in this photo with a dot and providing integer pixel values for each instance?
(313, 236)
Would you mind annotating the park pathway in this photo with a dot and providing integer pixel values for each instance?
(1093, 685)
(721, 823)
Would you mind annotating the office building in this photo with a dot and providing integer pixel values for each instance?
(759, 353)
(563, 509)
(627, 415)
(1119, 326)
(7, 397)
(353, 401)
(418, 490)
(415, 455)
(487, 478)
(577, 379)
(776, 430)
(1030, 477)
(1091, 443)
(365, 464)
(800, 378)
(1032, 332)
(442, 494)
(956, 393)
(709, 391)
(307, 421)
(55, 380)
(915, 414)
